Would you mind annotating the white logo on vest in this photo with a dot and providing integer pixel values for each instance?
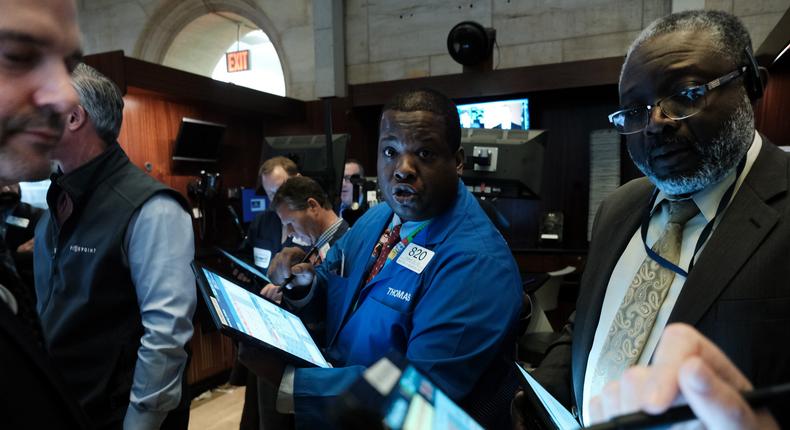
(82, 249)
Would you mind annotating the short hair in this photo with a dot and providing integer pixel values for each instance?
(355, 161)
(287, 164)
(101, 99)
(730, 37)
(429, 100)
(297, 190)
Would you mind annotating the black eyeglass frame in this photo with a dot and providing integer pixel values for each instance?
(705, 89)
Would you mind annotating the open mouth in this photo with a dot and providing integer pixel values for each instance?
(404, 193)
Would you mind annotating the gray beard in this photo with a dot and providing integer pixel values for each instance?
(718, 158)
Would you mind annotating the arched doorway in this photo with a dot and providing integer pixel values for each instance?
(200, 48)
(193, 36)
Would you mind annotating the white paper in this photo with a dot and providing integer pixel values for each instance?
(562, 419)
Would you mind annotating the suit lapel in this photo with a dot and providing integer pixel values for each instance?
(743, 228)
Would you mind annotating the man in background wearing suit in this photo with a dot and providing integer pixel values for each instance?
(39, 46)
(701, 240)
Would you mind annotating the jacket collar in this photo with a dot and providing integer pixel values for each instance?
(84, 179)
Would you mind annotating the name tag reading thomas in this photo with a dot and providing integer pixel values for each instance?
(415, 258)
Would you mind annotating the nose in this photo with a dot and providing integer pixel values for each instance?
(405, 169)
(54, 88)
(657, 121)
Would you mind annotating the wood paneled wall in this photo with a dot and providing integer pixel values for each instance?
(773, 110)
(150, 127)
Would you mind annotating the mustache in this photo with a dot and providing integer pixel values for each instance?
(44, 118)
(671, 142)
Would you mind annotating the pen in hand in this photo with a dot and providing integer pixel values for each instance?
(761, 397)
(306, 258)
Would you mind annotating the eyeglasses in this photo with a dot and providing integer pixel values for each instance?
(681, 105)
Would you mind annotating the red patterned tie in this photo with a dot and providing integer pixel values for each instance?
(383, 247)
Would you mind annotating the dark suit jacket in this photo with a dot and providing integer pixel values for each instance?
(31, 393)
(738, 293)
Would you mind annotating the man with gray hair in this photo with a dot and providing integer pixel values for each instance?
(702, 241)
(115, 291)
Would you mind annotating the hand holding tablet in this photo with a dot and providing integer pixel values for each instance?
(252, 319)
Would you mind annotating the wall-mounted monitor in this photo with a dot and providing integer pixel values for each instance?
(198, 141)
(311, 156)
(506, 163)
(503, 115)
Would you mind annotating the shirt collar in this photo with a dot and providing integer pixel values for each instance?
(328, 233)
(407, 227)
(707, 199)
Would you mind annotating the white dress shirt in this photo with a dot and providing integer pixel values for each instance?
(707, 200)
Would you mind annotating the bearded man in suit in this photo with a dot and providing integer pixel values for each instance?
(703, 239)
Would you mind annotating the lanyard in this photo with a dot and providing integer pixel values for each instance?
(725, 200)
(397, 249)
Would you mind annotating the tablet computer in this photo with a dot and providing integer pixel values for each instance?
(238, 262)
(393, 395)
(249, 317)
(544, 411)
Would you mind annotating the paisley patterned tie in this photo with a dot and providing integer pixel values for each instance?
(636, 315)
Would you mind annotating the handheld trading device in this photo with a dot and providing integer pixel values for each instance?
(250, 318)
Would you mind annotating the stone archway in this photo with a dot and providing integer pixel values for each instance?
(173, 16)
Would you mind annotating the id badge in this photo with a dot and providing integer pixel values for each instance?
(17, 221)
(262, 257)
(415, 258)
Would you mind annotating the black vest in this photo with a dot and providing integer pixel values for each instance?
(86, 298)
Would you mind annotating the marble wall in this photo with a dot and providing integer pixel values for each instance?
(399, 39)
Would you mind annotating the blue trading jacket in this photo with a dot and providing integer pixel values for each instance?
(454, 321)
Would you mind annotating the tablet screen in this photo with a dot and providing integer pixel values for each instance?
(261, 319)
(418, 404)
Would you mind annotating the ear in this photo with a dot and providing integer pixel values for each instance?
(763, 73)
(312, 203)
(459, 160)
(76, 118)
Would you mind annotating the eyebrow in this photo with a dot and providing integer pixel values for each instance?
(72, 59)
(16, 36)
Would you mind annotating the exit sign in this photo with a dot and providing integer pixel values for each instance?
(237, 61)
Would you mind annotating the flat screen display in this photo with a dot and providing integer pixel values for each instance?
(198, 141)
(254, 316)
(418, 405)
(252, 204)
(504, 115)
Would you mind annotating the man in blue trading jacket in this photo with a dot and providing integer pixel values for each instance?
(115, 291)
(426, 275)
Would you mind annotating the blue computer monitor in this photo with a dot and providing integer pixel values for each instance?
(252, 204)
